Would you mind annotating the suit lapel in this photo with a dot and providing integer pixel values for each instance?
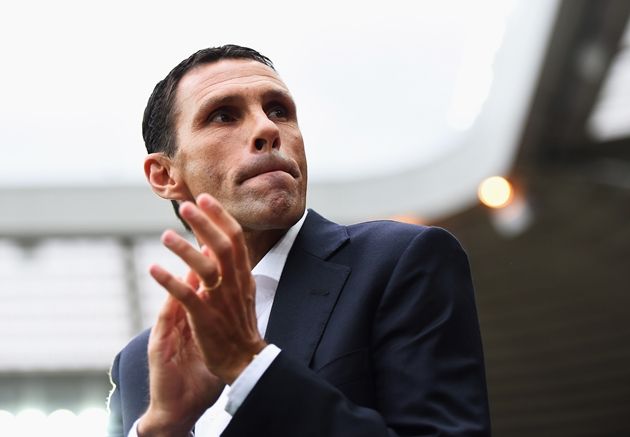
(308, 288)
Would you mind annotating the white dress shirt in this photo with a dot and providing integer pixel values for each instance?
(267, 275)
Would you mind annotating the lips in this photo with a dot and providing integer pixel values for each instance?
(268, 164)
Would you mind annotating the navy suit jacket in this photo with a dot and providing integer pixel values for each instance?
(379, 336)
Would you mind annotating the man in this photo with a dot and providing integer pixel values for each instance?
(365, 330)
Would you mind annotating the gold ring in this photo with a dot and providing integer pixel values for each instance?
(214, 286)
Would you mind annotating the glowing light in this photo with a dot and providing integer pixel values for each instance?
(31, 422)
(93, 421)
(514, 218)
(7, 423)
(5, 416)
(62, 422)
(411, 219)
(495, 192)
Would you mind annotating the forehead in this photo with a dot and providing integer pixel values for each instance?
(226, 75)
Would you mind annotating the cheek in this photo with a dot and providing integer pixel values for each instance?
(300, 154)
(207, 158)
(201, 174)
(295, 142)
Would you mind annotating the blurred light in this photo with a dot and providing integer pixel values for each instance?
(514, 218)
(31, 422)
(510, 214)
(610, 117)
(592, 61)
(403, 218)
(495, 192)
(62, 422)
(93, 421)
(5, 416)
(7, 423)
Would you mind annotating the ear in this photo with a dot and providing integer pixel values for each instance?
(164, 177)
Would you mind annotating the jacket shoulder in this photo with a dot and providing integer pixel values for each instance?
(388, 233)
(137, 346)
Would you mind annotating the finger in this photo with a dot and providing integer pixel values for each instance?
(228, 224)
(233, 229)
(193, 319)
(204, 266)
(178, 289)
(212, 236)
(238, 293)
(207, 252)
(226, 300)
(171, 319)
(192, 279)
(213, 209)
(167, 318)
(232, 300)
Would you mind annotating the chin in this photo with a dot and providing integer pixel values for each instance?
(276, 213)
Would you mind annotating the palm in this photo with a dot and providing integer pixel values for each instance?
(180, 381)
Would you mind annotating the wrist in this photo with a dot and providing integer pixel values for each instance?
(234, 371)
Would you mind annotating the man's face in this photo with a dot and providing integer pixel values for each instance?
(238, 139)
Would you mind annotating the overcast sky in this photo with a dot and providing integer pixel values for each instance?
(375, 82)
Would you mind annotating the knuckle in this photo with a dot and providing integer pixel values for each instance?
(211, 208)
(235, 233)
(179, 246)
(186, 297)
(224, 248)
(216, 208)
(183, 248)
(163, 278)
(209, 274)
(171, 283)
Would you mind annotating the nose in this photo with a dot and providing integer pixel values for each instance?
(266, 134)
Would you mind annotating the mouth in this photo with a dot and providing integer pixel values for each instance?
(269, 164)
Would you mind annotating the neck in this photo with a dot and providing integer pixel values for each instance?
(260, 242)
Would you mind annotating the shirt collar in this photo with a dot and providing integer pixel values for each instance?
(272, 264)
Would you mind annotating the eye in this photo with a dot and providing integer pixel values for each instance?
(221, 116)
(278, 112)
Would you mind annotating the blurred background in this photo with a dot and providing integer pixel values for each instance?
(505, 121)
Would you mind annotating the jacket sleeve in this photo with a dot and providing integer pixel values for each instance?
(114, 424)
(129, 397)
(426, 357)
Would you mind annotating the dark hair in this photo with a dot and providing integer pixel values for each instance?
(158, 123)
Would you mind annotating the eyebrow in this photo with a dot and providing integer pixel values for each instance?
(235, 99)
(281, 96)
(214, 102)
(277, 94)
